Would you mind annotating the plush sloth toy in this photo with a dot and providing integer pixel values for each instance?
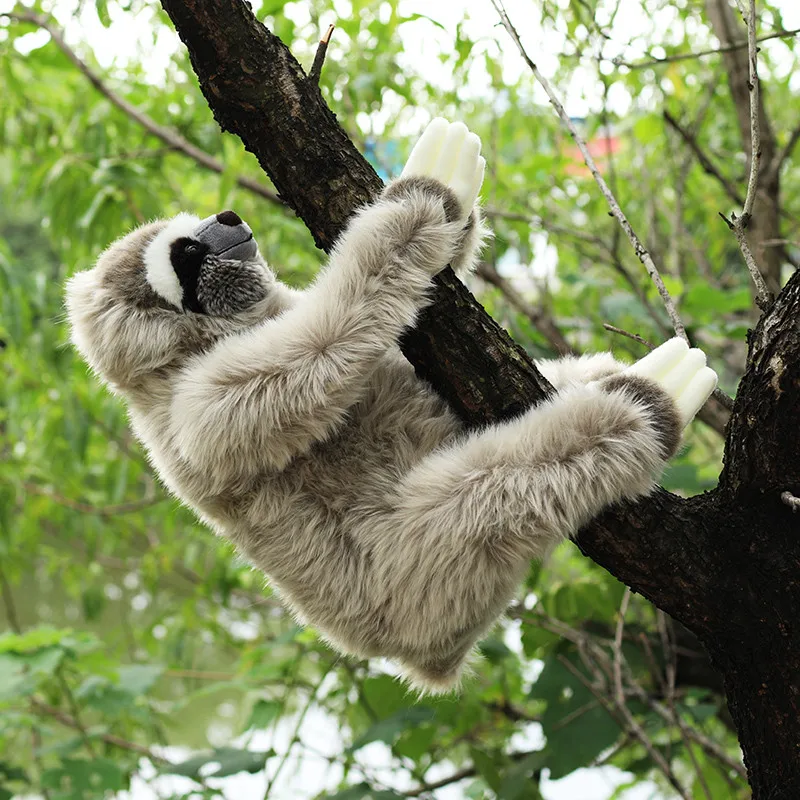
(293, 426)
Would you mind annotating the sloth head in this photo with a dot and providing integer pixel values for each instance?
(167, 291)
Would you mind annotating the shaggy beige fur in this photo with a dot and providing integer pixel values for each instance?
(297, 430)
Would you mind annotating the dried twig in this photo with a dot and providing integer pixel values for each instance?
(170, 137)
(634, 336)
(705, 162)
(538, 317)
(654, 62)
(319, 58)
(738, 224)
(619, 697)
(639, 248)
(87, 508)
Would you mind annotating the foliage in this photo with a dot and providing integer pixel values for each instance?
(139, 647)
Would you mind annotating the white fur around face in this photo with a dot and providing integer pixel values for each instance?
(158, 266)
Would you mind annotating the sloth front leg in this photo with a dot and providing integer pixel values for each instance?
(469, 518)
(261, 397)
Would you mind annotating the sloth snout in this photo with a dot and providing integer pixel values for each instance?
(229, 217)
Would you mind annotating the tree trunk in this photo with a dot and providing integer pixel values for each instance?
(724, 563)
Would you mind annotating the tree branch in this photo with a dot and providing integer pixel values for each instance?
(109, 738)
(170, 137)
(705, 162)
(539, 319)
(740, 223)
(655, 62)
(319, 58)
(759, 220)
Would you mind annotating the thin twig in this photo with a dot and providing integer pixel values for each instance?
(738, 224)
(319, 58)
(296, 733)
(538, 317)
(634, 336)
(460, 775)
(755, 127)
(109, 738)
(8, 602)
(654, 62)
(638, 247)
(170, 137)
(705, 162)
(87, 508)
(36, 742)
(783, 154)
(708, 745)
(619, 696)
(76, 714)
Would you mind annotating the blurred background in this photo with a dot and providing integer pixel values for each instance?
(139, 657)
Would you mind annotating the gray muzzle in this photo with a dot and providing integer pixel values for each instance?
(227, 236)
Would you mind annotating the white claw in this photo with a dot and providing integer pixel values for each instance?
(477, 182)
(659, 362)
(451, 152)
(682, 373)
(426, 151)
(694, 395)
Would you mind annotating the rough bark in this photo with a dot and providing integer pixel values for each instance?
(724, 563)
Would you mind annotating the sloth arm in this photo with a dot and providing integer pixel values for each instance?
(260, 398)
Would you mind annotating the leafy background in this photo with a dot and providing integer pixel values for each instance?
(140, 654)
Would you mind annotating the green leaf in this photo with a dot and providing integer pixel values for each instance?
(519, 782)
(20, 674)
(227, 761)
(487, 768)
(416, 742)
(79, 779)
(387, 730)
(137, 679)
(11, 773)
(363, 791)
(576, 725)
(263, 713)
(494, 650)
(386, 695)
(102, 12)
(33, 639)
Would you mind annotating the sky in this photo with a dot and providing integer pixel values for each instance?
(130, 35)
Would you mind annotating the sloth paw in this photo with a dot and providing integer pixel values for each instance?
(449, 153)
(681, 372)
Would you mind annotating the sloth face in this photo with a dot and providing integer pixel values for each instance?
(165, 292)
(206, 267)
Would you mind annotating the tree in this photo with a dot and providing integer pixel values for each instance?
(719, 563)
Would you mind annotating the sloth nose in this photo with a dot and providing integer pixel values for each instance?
(230, 218)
